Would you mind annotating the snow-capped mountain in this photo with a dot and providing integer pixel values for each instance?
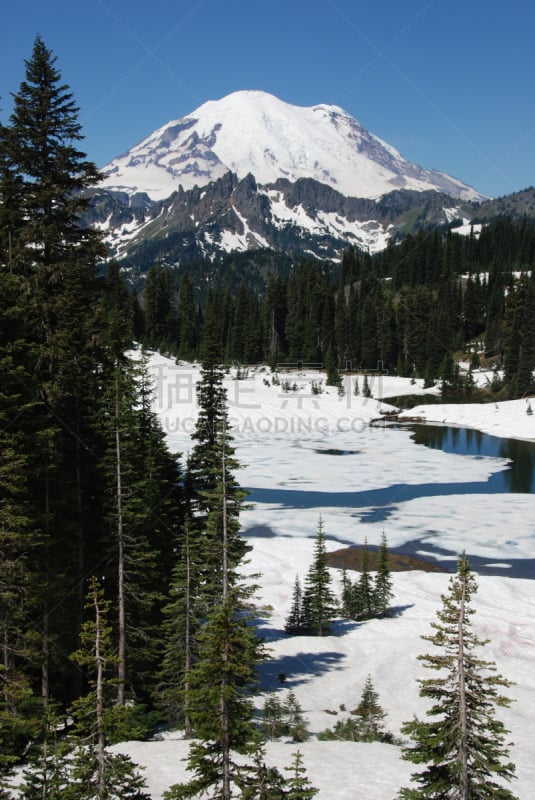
(252, 132)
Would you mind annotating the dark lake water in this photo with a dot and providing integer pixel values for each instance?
(518, 477)
(375, 505)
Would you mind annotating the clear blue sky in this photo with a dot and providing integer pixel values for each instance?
(449, 83)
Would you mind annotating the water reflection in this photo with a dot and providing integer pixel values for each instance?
(520, 475)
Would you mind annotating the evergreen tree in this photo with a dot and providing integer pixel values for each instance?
(370, 714)
(383, 582)
(188, 335)
(319, 605)
(347, 595)
(55, 258)
(41, 142)
(295, 723)
(220, 709)
(160, 323)
(47, 772)
(461, 747)
(96, 774)
(143, 514)
(181, 626)
(224, 672)
(284, 718)
(365, 600)
(21, 534)
(295, 622)
(365, 724)
(262, 782)
(298, 785)
(209, 482)
(273, 717)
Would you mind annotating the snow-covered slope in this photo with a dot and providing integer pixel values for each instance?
(255, 132)
(304, 454)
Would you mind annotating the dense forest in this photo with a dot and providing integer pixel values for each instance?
(414, 309)
(121, 597)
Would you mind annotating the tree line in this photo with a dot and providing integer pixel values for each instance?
(413, 309)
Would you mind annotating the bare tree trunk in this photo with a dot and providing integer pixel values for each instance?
(463, 714)
(121, 666)
(188, 728)
(225, 531)
(101, 739)
(225, 722)
(45, 690)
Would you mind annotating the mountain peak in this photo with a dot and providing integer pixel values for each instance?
(251, 131)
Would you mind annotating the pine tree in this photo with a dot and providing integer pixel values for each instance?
(20, 532)
(273, 717)
(461, 747)
(181, 626)
(209, 482)
(295, 723)
(41, 141)
(143, 513)
(383, 593)
(221, 711)
(188, 336)
(55, 260)
(364, 594)
(262, 782)
(370, 714)
(295, 622)
(298, 786)
(224, 672)
(47, 772)
(319, 605)
(96, 773)
(347, 595)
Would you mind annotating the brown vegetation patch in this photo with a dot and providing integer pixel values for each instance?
(351, 558)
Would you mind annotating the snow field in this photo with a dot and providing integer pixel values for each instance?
(298, 484)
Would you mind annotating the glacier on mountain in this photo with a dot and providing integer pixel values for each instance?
(253, 132)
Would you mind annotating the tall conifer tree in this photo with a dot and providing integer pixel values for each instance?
(461, 747)
(319, 605)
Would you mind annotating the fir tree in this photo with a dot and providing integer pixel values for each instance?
(319, 605)
(461, 747)
(262, 782)
(224, 673)
(181, 626)
(347, 595)
(188, 336)
(295, 723)
(143, 515)
(364, 600)
(273, 717)
(298, 786)
(41, 141)
(47, 773)
(220, 709)
(55, 259)
(295, 622)
(370, 714)
(96, 774)
(284, 718)
(383, 593)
